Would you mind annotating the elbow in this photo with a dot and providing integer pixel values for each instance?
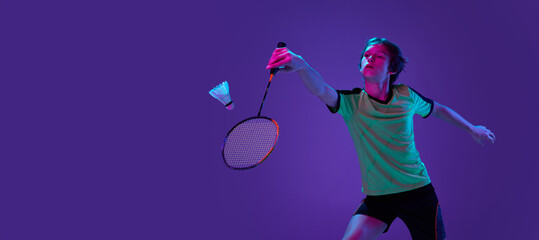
(323, 91)
(438, 110)
(319, 92)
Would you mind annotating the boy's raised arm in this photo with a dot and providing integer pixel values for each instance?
(282, 57)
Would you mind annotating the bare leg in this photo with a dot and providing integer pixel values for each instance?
(363, 227)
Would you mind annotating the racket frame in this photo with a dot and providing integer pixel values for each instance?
(264, 158)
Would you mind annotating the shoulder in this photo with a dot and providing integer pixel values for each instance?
(416, 95)
(402, 89)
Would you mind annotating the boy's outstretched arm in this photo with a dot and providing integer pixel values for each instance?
(479, 133)
(291, 62)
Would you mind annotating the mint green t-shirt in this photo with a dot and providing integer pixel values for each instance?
(383, 135)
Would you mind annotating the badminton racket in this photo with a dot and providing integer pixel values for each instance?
(252, 140)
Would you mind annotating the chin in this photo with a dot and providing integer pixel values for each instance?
(368, 75)
(369, 72)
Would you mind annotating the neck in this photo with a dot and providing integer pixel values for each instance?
(377, 88)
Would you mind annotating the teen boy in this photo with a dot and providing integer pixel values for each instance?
(380, 120)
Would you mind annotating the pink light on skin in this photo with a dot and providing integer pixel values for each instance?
(375, 70)
(286, 60)
(279, 57)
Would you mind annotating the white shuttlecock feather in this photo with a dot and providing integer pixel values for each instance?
(221, 93)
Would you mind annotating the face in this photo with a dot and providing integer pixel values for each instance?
(375, 62)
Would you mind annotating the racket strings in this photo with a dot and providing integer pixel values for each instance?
(250, 142)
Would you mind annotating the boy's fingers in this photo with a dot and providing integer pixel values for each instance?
(287, 59)
(275, 65)
(274, 61)
(279, 51)
(279, 57)
(278, 61)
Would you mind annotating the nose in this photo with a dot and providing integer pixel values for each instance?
(370, 59)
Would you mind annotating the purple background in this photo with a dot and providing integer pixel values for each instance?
(110, 132)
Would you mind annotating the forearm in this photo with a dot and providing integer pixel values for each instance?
(289, 62)
(312, 80)
(450, 116)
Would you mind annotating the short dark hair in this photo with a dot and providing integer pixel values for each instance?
(397, 60)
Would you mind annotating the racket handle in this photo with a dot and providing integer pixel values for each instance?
(275, 70)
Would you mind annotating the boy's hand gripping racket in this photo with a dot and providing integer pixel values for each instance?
(252, 140)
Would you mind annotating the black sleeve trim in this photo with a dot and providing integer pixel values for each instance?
(426, 99)
(353, 91)
(335, 109)
(430, 111)
(339, 92)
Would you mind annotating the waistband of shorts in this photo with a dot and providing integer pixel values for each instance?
(427, 187)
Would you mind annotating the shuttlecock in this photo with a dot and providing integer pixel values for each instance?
(221, 93)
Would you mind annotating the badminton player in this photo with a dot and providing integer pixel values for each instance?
(380, 120)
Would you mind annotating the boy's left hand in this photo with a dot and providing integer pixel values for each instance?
(481, 135)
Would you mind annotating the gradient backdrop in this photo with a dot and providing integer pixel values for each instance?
(109, 131)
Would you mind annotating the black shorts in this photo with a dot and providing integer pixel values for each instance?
(419, 209)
